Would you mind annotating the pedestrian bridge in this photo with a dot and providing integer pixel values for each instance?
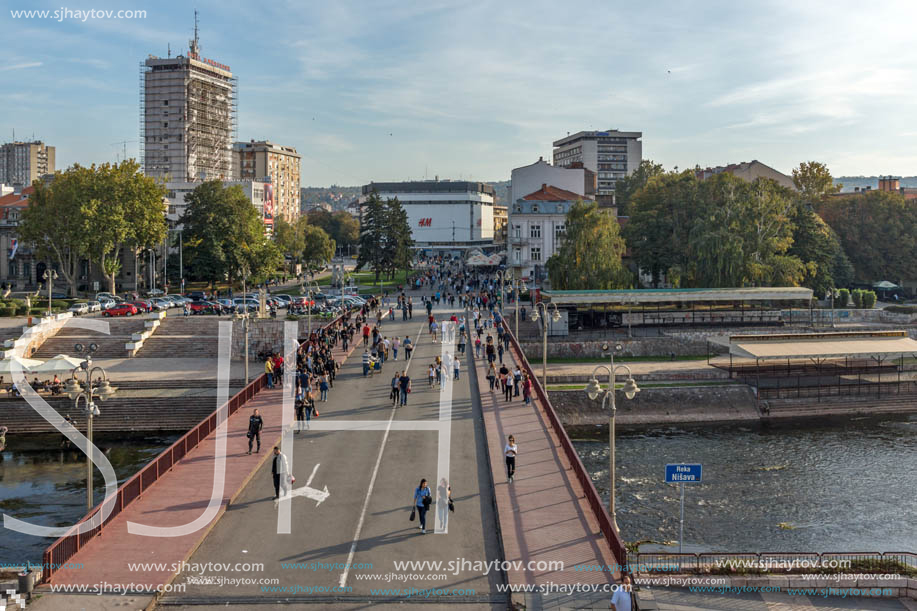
(199, 523)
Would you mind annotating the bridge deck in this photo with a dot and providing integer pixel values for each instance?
(543, 513)
(179, 497)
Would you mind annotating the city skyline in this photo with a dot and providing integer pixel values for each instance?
(393, 91)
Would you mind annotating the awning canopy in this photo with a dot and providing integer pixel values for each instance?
(822, 345)
(635, 296)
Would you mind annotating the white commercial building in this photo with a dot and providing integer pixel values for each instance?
(445, 216)
(611, 154)
(530, 178)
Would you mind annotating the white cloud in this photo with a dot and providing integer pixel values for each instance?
(21, 66)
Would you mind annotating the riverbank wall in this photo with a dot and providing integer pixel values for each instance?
(660, 406)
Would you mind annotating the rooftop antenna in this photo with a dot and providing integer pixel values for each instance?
(194, 43)
(168, 50)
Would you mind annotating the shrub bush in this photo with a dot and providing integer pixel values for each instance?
(9, 310)
(901, 309)
(38, 311)
(22, 310)
(869, 299)
(843, 298)
(59, 304)
(857, 295)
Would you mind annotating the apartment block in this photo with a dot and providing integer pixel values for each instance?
(22, 163)
(611, 154)
(265, 161)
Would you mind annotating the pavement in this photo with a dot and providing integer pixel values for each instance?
(341, 552)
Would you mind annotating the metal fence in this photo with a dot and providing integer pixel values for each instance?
(68, 545)
(592, 496)
(774, 562)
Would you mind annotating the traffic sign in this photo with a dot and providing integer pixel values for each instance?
(683, 473)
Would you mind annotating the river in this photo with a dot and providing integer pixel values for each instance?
(841, 487)
(45, 485)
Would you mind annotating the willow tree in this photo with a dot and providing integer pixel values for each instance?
(590, 255)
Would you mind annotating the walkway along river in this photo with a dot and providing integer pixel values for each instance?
(839, 487)
(44, 484)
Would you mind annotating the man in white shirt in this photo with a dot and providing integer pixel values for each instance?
(620, 600)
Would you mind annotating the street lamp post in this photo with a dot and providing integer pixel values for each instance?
(312, 285)
(49, 276)
(246, 316)
(555, 316)
(101, 390)
(593, 390)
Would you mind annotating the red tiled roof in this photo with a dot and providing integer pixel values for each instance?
(547, 193)
(17, 199)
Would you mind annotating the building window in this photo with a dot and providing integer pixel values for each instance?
(517, 231)
(535, 231)
(165, 102)
(536, 253)
(559, 230)
(517, 255)
(13, 269)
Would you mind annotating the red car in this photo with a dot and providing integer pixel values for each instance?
(201, 307)
(122, 309)
(143, 306)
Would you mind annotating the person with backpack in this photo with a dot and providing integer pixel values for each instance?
(408, 347)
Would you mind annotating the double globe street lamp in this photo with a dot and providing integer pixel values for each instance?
(49, 276)
(88, 391)
(593, 390)
(555, 317)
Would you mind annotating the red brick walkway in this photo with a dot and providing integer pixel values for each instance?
(543, 514)
(178, 497)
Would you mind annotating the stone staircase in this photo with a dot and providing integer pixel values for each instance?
(183, 337)
(110, 346)
(852, 406)
(117, 415)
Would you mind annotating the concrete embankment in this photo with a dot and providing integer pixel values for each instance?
(659, 406)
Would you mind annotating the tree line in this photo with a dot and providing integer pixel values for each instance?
(726, 232)
(386, 242)
(93, 213)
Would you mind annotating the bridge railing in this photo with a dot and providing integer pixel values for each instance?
(774, 562)
(592, 496)
(68, 545)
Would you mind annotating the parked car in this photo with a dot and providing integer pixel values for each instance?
(95, 306)
(202, 307)
(143, 306)
(160, 304)
(197, 295)
(79, 308)
(106, 303)
(122, 309)
(284, 299)
(155, 292)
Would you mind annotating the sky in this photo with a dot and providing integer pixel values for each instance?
(396, 89)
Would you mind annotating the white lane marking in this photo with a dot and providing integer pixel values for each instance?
(372, 480)
(290, 345)
(448, 356)
(370, 425)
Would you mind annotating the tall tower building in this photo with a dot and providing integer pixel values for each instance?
(610, 154)
(21, 163)
(188, 116)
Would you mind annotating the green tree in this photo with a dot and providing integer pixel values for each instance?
(126, 210)
(225, 235)
(346, 229)
(373, 240)
(290, 239)
(590, 255)
(318, 248)
(398, 237)
(55, 222)
(877, 230)
(817, 246)
(814, 181)
(661, 215)
(626, 187)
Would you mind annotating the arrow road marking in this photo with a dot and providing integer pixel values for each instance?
(312, 493)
